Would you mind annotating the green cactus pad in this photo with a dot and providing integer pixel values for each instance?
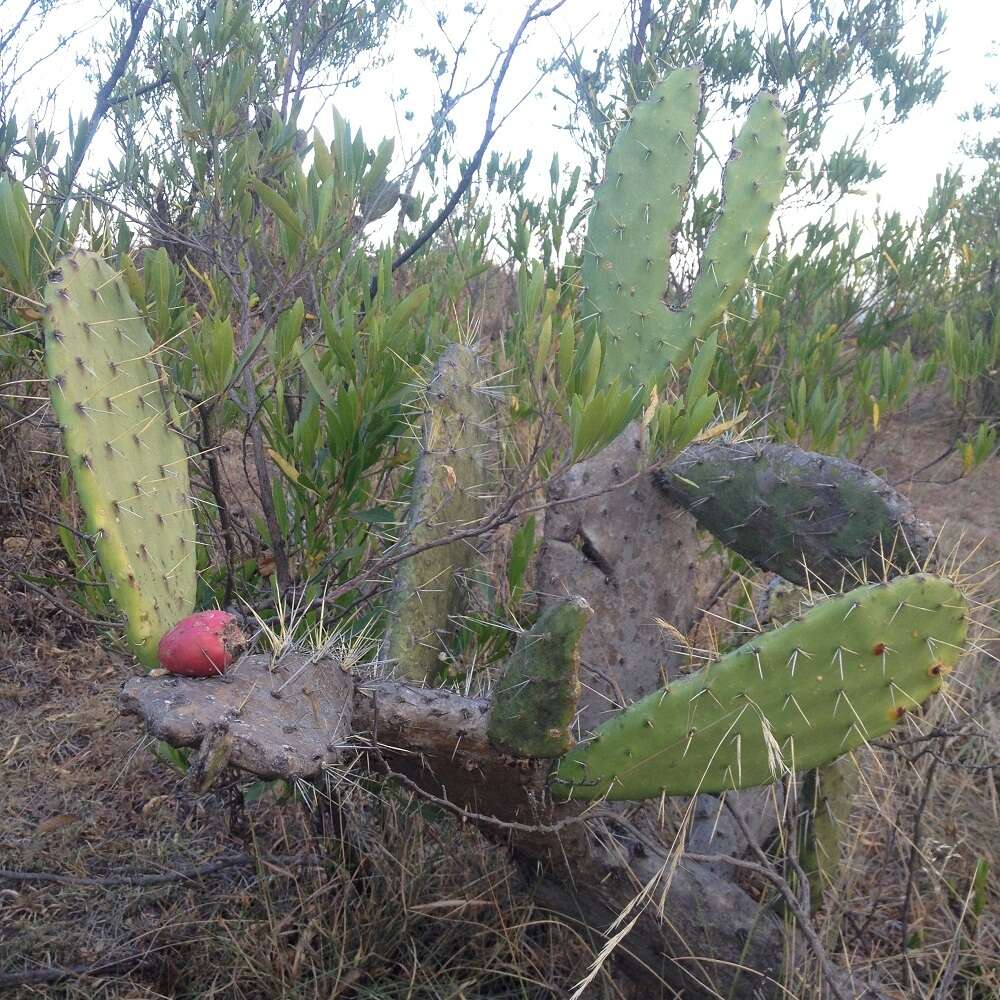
(791, 699)
(797, 513)
(637, 208)
(535, 702)
(128, 460)
(449, 489)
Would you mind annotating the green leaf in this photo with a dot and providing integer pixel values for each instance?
(567, 348)
(314, 375)
(374, 515)
(408, 308)
(980, 887)
(322, 159)
(16, 234)
(701, 368)
(522, 547)
(279, 206)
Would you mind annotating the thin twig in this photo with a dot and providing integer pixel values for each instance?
(103, 102)
(532, 14)
(766, 869)
(904, 916)
(48, 974)
(154, 878)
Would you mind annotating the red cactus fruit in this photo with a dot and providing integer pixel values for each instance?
(202, 645)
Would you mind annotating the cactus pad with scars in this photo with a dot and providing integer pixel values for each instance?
(448, 495)
(637, 209)
(535, 702)
(128, 460)
(791, 699)
(786, 509)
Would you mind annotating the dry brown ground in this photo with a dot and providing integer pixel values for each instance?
(412, 905)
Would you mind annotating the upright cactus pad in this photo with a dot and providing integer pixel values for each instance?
(637, 209)
(791, 699)
(449, 489)
(128, 460)
(534, 704)
(786, 509)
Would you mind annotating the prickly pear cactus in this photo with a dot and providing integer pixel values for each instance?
(637, 209)
(797, 513)
(535, 702)
(790, 699)
(449, 493)
(128, 459)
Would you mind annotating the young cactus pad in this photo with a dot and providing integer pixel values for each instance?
(791, 699)
(638, 207)
(128, 460)
(535, 702)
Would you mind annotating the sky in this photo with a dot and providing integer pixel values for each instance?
(912, 154)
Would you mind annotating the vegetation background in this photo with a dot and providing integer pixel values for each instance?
(300, 276)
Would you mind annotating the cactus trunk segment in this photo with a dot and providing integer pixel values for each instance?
(448, 495)
(791, 699)
(826, 794)
(535, 702)
(786, 509)
(127, 456)
(637, 208)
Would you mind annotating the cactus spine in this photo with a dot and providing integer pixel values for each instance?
(637, 209)
(128, 459)
(791, 699)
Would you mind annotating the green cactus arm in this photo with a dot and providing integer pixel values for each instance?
(636, 211)
(791, 699)
(786, 509)
(535, 702)
(751, 186)
(128, 459)
(449, 490)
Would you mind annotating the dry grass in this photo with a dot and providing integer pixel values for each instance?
(922, 820)
(366, 896)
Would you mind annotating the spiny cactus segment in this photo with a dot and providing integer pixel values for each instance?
(786, 509)
(449, 488)
(791, 699)
(535, 702)
(128, 459)
(637, 209)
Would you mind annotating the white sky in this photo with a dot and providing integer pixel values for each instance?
(912, 154)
